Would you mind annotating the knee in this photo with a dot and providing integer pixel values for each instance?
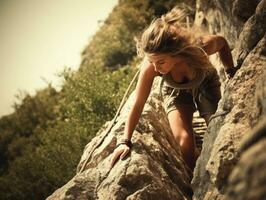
(181, 136)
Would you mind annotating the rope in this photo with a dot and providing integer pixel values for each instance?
(110, 126)
(218, 114)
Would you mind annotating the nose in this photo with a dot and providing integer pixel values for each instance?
(156, 67)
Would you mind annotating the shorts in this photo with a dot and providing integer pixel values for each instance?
(205, 99)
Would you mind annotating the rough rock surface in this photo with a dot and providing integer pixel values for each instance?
(239, 110)
(226, 168)
(153, 170)
(248, 178)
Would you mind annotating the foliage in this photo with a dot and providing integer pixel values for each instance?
(113, 46)
(43, 168)
(31, 113)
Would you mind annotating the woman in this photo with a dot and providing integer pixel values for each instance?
(189, 81)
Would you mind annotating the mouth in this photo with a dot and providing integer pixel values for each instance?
(162, 72)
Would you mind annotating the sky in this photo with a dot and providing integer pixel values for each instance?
(39, 38)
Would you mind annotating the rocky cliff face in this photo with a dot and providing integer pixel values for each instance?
(232, 162)
(243, 102)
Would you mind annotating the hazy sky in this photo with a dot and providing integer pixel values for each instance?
(38, 38)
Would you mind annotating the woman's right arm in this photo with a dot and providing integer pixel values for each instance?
(143, 89)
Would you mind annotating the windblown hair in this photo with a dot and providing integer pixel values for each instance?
(173, 34)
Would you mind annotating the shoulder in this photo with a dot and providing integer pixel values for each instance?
(147, 69)
(211, 43)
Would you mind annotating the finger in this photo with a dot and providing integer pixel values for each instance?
(114, 158)
(124, 153)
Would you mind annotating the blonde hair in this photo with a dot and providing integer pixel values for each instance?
(172, 33)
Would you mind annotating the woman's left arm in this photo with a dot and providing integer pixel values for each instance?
(215, 43)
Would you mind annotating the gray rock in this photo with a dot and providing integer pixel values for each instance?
(253, 30)
(238, 112)
(248, 6)
(248, 179)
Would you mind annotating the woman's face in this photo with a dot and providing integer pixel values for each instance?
(162, 62)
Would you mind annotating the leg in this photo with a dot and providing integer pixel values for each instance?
(209, 97)
(180, 121)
